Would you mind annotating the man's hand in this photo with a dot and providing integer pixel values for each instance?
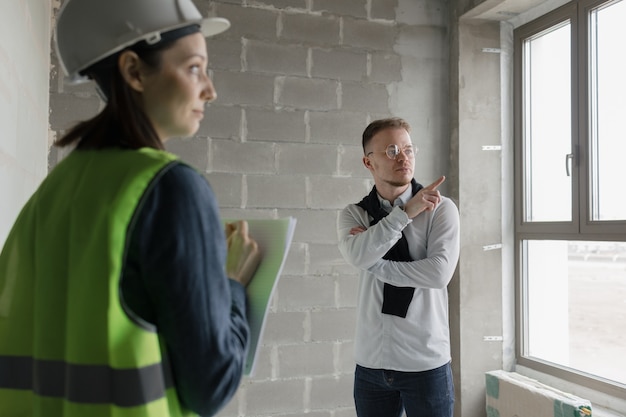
(426, 199)
(244, 255)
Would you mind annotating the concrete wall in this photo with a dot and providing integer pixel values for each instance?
(480, 173)
(483, 299)
(297, 83)
(24, 69)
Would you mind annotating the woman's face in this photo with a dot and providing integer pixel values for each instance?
(174, 96)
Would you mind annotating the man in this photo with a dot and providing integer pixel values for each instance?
(404, 239)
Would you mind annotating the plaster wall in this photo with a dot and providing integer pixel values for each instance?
(24, 69)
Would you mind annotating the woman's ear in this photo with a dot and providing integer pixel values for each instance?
(129, 65)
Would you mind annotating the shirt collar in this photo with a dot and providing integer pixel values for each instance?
(400, 201)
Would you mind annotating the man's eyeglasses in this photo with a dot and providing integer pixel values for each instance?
(392, 151)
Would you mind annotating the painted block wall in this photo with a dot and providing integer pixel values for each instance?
(24, 70)
(297, 82)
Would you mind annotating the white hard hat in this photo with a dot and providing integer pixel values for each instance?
(88, 31)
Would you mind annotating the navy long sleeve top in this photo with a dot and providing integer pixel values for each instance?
(174, 278)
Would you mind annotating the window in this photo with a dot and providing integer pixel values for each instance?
(570, 169)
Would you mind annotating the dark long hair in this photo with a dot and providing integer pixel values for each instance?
(122, 122)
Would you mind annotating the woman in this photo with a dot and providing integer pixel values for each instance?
(119, 294)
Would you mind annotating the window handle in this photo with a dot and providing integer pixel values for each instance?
(568, 163)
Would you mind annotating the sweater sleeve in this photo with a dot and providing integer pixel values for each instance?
(363, 250)
(435, 268)
(174, 278)
(432, 269)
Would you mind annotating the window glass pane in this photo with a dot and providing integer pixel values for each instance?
(607, 111)
(547, 126)
(576, 305)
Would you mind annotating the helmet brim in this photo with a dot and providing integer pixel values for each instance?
(214, 26)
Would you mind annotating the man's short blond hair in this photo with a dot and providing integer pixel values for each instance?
(381, 124)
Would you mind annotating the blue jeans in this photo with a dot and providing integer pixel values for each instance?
(381, 393)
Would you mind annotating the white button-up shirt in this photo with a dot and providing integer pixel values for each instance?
(421, 341)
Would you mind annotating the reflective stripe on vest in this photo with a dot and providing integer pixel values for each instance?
(93, 384)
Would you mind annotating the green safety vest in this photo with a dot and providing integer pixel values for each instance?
(67, 347)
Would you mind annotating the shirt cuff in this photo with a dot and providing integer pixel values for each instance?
(238, 292)
(399, 216)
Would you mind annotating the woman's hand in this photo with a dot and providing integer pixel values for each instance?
(244, 255)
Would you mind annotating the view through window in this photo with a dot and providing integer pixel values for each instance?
(577, 305)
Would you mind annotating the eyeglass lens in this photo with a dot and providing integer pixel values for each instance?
(393, 151)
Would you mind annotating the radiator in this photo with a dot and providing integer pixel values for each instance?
(513, 395)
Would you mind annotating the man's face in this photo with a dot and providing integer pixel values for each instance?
(396, 172)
